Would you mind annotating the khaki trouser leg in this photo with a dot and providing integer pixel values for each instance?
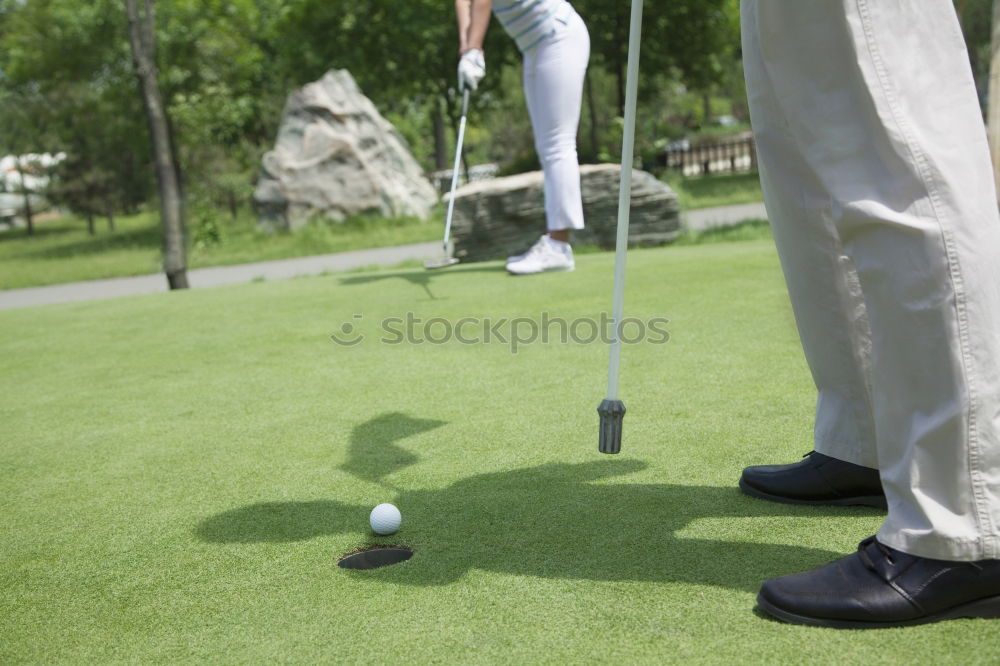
(879, 186)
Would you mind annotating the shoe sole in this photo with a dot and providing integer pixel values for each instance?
(988, 608)
(876, 501)
(561, 269)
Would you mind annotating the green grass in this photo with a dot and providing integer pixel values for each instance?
(719, 190)
(63, 251)
(181, 471)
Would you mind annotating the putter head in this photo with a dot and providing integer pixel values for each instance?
(440, 263)
(612, 413)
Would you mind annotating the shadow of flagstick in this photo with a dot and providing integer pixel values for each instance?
(373, 452)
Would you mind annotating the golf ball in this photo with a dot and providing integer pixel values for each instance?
(385, 519)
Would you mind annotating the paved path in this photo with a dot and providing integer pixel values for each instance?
(724, 216)
(697, 220)
(218, 275)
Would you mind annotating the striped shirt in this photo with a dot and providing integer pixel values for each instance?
(530, 21)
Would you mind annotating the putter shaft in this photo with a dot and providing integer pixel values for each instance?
(455, 169)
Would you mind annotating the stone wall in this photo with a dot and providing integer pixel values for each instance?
(497, 218)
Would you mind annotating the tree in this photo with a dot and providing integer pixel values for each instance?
(226, 66)
(975, 19)
(399, 53)
(218, 85)
(224, 85)
(993, 107)
(25, 194)
(980, 21)
(79, 98)
(697, 38)
(87, 190)
(16, 118)
(142, 39)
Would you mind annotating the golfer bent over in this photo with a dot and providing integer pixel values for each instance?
(556, 47)
(878, 184)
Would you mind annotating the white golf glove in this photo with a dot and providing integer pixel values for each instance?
(471, 69)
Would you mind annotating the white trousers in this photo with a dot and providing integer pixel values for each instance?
(553, 87)
(878, 184)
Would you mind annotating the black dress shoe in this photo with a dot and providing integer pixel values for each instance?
(818, 479)
(879, 586)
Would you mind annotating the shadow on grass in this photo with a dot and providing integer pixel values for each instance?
(277, 522)
(373, 453)
(147, 238)
(419, 277)
(40, 231)
(747, 230)
(560, 521)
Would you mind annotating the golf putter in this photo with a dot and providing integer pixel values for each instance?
(446, 258)
(612, 409)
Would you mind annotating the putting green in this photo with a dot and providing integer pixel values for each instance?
(180, 473)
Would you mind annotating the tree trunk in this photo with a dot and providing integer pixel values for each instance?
(90, 224)
(622, 26)
(620, 85)
(993, 103)
(440, 141)
(111, 217)
(234, 204)
(29, 216)
(142, 39)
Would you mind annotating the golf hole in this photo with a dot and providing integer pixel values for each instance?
(375, 557)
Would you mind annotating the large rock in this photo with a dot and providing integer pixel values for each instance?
(496, 218)
(336, 156)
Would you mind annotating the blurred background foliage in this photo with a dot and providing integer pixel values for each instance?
(227, 66)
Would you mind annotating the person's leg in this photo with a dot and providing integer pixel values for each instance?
(822, 283)
(553, 87)
(830, 313)
(878, 101)
(553, 82)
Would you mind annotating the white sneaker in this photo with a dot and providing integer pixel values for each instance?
(518, 257)
(545, 255)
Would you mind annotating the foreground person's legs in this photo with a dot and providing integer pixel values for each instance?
(877, 102)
